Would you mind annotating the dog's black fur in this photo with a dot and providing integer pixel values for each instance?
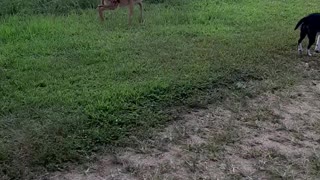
(310, 25)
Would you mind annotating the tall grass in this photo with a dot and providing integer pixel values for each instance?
(10, 7)
(70, 85)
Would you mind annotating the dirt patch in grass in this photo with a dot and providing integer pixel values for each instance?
(273, 136)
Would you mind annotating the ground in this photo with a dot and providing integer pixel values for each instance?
(184, 90)
(275, 135)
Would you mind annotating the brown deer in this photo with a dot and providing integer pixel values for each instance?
(114, 4)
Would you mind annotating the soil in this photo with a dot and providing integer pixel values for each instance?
(273, 136)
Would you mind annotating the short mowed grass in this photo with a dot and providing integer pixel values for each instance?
(71, 86)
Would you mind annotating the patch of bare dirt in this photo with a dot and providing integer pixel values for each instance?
(273, 136)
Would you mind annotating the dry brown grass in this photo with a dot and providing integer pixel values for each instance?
(273, 136)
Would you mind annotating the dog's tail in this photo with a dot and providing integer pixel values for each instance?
(300, 23)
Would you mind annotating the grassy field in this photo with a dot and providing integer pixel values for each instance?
(70, 85)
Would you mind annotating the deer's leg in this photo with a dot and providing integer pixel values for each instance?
(101, 8)
(141, 11)
(130, 11)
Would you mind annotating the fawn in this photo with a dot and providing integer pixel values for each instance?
(114, 4)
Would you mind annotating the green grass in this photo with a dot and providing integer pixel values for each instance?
(10, 7)
(70, 85)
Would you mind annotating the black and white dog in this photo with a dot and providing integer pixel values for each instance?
(310, 25)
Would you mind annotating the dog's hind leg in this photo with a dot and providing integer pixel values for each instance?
(317, 49)
(312, 38)
(303, 34)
